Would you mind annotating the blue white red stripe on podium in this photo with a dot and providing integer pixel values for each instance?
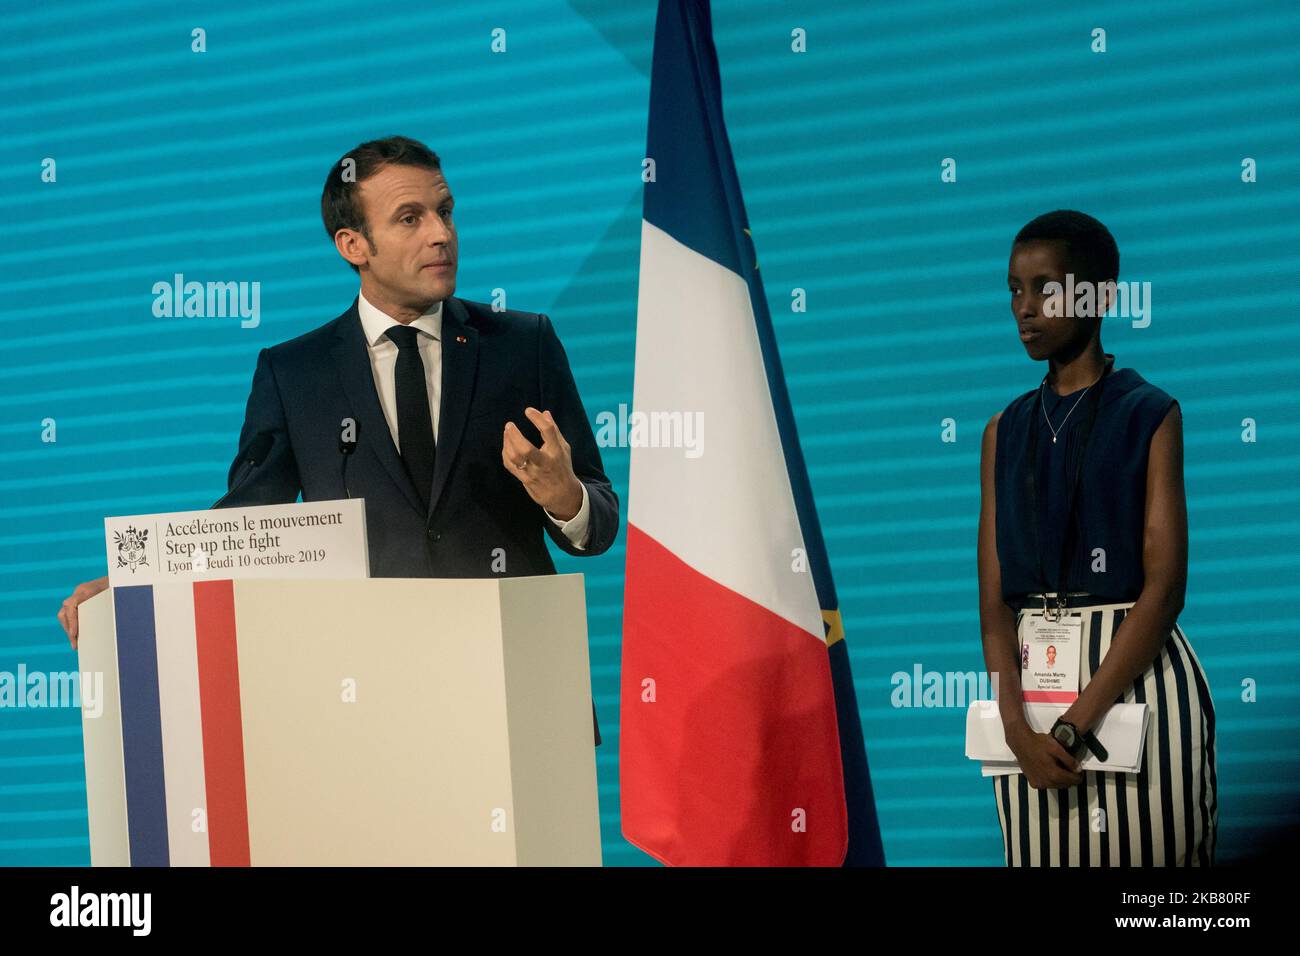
(182, 735)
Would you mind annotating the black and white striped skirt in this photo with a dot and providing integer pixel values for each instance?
(1165, 815)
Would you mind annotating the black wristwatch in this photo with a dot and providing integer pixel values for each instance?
(1068, 736)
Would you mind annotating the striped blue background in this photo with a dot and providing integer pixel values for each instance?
(211, 165)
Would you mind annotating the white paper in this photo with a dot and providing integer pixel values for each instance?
(1122, 731)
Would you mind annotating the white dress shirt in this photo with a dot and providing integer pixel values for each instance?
(383, 363)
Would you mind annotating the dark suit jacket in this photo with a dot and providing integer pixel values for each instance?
(494, 364)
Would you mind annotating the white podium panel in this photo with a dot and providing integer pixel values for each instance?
(382, 721)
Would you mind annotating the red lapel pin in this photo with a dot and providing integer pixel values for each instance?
(461, 338)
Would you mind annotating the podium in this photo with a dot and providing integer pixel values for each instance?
(381, 721)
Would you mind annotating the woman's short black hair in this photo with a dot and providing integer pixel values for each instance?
(340, 201)
(1089, 247)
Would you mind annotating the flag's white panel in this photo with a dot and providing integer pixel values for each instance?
(182, 723)
(728, 513)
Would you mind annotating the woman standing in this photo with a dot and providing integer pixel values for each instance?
(1083, 523)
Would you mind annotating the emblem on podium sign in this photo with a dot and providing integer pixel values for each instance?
(130, 548)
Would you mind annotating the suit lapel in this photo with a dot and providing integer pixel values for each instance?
(352, 359)
(459, 367)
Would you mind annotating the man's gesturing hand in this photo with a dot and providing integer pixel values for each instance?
(547, 472)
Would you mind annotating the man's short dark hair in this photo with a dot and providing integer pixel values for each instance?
(1090, 249)
(340, 201)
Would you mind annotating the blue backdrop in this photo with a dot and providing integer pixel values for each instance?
(210, 164)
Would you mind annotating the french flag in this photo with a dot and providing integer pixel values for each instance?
(740, 742)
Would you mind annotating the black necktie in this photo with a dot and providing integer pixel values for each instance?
(414, 424)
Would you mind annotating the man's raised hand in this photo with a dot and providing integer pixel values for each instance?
(547, 472)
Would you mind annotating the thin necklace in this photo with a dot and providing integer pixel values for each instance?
(1043, 405)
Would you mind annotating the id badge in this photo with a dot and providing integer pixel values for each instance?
(1049, 657)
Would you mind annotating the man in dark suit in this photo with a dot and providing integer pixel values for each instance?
(460, 426)
(491, 492)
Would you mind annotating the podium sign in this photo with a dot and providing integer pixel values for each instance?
(321, 539)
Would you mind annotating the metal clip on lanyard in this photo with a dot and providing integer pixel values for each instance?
(1078, 452)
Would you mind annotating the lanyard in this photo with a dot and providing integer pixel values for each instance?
(1072, 501)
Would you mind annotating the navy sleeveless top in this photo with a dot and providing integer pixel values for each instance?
(1112, 489)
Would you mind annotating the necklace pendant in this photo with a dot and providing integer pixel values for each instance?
(1053, 439)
